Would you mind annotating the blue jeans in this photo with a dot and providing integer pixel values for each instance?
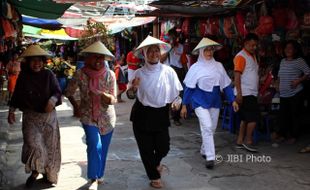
(97, 151)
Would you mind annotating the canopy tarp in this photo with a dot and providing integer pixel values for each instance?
(40, 33)
(31, 29)
(41, 23)
(47, 9)
(117, 24)
(199, 8)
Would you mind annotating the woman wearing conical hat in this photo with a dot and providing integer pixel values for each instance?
(36, 94)
(97, 85)
(156, 86)
(204, 82)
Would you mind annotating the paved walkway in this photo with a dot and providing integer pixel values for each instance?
(272, 168)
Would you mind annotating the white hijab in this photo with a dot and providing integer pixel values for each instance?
(159, 84)
(206, 74)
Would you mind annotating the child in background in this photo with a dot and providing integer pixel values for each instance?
(120, 77)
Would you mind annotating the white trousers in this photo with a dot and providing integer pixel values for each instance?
(208, 119)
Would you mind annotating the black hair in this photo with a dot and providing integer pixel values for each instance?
(251, 36)
(297, 48)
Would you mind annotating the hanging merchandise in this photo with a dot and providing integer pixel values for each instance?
(280, 17)
(292, 22)
(213, 26)
(229, 28)
(8, 27)
(224, 54)
(164, 28)
(197, 29)
(202, 27)
(307, 19)
(293, 35)
(251, 20)
(185, 27)
(265, 26)
(240, 24)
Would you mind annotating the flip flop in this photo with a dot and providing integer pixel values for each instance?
(305, 150)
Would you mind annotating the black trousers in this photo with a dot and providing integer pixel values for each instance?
(290, 111)
(181, 76)
(153, 147)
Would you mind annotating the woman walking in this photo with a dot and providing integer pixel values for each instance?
(203, 85)
(97, 86)
(156, 86)
(36, 94)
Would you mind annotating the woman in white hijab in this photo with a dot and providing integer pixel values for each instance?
(204, 82)
(156, 86)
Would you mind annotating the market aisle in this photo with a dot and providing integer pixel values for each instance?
(187, 171)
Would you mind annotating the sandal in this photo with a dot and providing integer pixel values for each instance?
(156, 184)
(161, 168)
(100, 180)
(93, 185)
(31, 179)
(305, 149)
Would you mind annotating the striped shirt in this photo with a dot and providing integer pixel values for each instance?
(290, 71)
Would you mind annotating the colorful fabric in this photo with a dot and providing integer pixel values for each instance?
(107, 83)
(95, 89)
(41, 148)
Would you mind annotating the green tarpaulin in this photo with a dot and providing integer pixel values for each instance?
(47, 9)
(31, 30)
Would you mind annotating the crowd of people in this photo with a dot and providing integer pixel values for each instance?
(162, 81)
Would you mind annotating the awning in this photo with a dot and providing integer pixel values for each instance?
(118, 24)
(199, 8)
(41, 23)
(47, 9)
(39, 33)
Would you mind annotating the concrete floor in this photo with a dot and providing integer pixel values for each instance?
(272, 168)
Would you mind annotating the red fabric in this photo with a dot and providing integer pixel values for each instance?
(266, 84)
(307, 19)
(74, 33)
(122, 86)
(229, 27)
(240, 23)
(131, 58)
(185, 27)
(202, 27)
(8, 28)
(265, 25)
(292, 22)
(213, 26)
(280, 17)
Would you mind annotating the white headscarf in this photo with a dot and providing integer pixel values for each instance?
(159, 84)
(206, 74)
